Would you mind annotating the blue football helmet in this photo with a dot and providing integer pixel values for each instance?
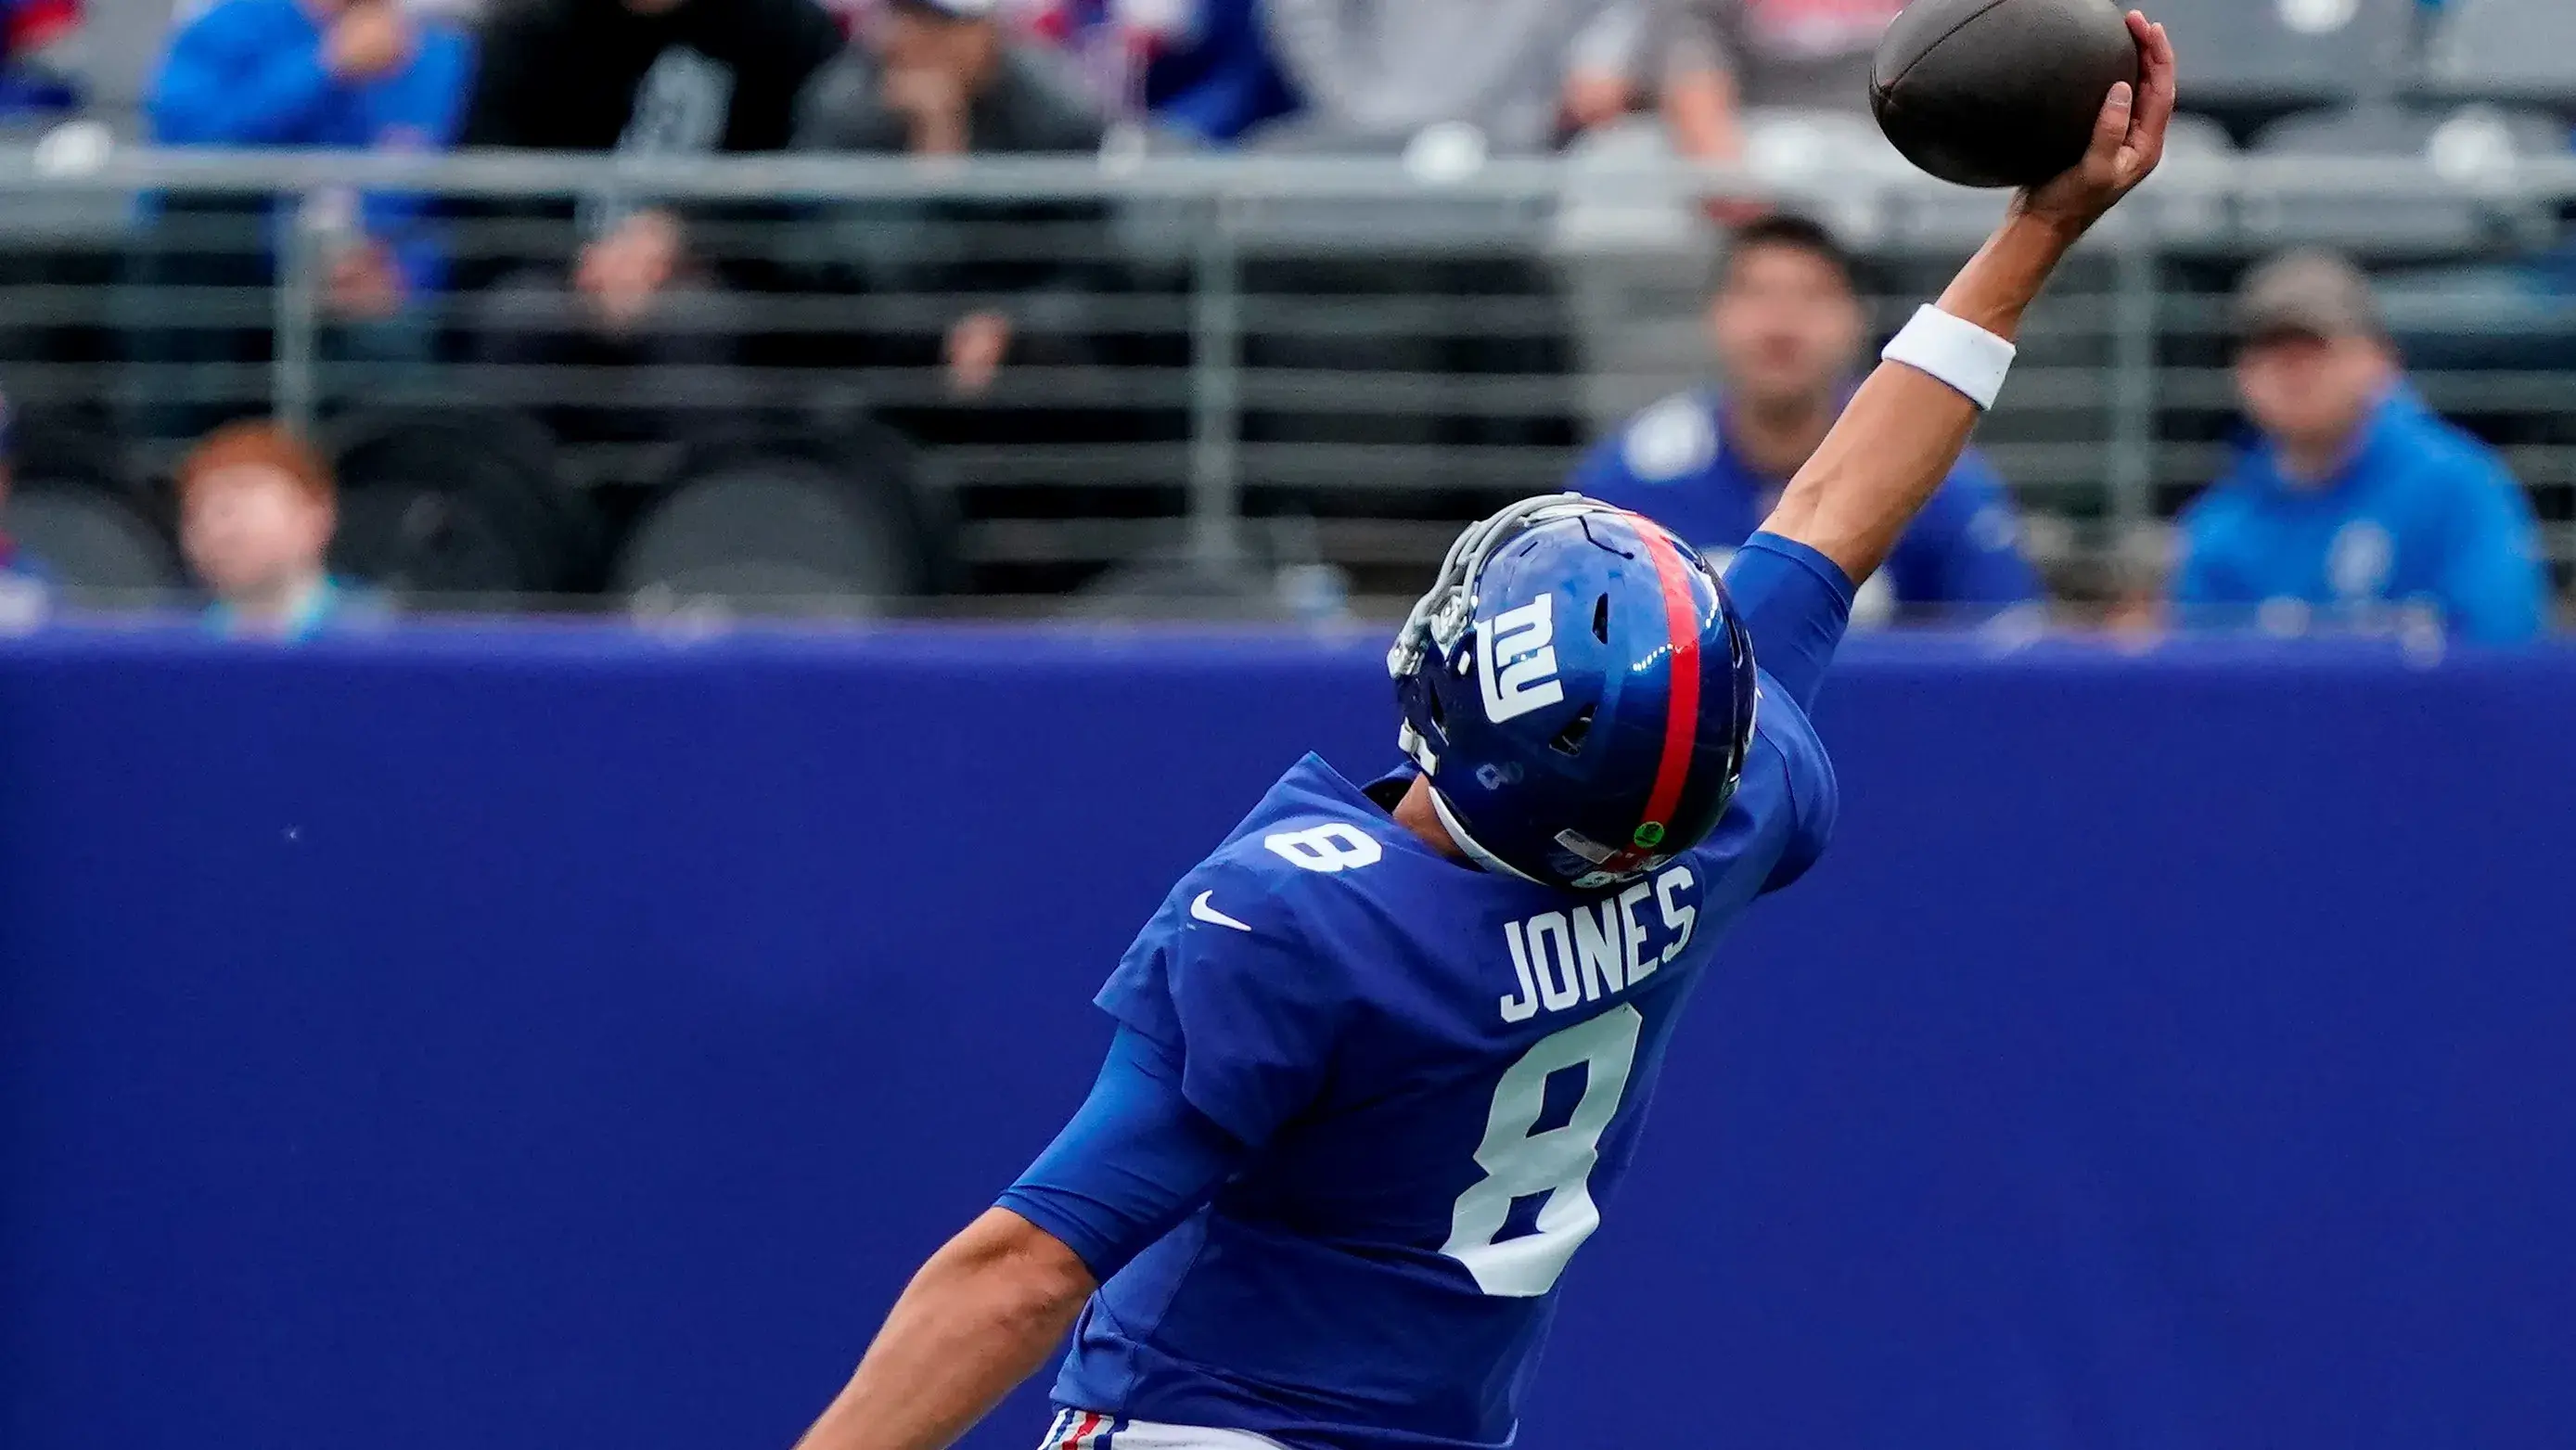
(1579, 690)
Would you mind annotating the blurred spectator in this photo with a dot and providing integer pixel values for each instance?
(641, 76)
(2355, 499)
(1723, 57)
(354, 74)
(1212, 67)
(939, 78)
(1601, 73)
(1216, 75)
(1788, 327)
(39, 61)
(1377, 70)
(256, 512)
(1199, 66)
(1720, 58)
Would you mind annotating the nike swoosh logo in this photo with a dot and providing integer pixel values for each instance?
(1205, 912)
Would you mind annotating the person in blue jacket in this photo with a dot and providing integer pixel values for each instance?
(1788, 328)
(354, 74)
(2354, 506)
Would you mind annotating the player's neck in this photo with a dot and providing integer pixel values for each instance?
(1415, 814)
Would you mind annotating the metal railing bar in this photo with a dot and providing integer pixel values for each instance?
(791, 177)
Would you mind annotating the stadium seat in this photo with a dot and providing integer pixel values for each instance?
(2274, 54)
(92, 541)
(74, 506)
(2471, 148)
(788, 524)
(456, 503)
(2518, 50)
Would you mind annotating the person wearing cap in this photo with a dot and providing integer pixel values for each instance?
(256, 511)
(2354, 505)
(1787, 325)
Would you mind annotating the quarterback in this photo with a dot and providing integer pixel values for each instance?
(1382, 1058)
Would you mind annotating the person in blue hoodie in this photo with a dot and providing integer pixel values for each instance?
(2353, 506)
(346, 74)
(1788, 328)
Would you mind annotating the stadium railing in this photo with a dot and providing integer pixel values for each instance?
(1240, 383)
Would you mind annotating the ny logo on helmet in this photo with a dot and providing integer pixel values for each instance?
(1516, 670)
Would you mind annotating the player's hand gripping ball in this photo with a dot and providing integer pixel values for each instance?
(1999, 92)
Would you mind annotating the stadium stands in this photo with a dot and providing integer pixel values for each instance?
(1304, 349)
(2469, 149)
(2268, 56)
(2517, 50)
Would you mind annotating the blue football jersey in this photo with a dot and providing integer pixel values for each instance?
(1442, 1072)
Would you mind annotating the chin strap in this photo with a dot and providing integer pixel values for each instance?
(1458, 832)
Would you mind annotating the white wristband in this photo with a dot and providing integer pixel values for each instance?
(1956, 351)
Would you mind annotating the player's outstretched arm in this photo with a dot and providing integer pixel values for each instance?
(1905, 428)
(980, 1317)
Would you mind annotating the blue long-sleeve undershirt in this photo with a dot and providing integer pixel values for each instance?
(1135, 1160)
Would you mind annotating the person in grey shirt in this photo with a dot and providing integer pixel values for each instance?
(1720, 58)
(1380, 70)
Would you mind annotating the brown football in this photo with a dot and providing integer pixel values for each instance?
(1998, 92)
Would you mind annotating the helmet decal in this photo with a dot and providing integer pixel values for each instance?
(1516, 668)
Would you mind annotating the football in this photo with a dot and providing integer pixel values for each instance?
(1998, 92)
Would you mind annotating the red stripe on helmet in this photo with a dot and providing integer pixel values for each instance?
(1681, 707)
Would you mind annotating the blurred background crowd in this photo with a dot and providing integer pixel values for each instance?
(1231, 308)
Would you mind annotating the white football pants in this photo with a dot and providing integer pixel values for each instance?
(1087, 1430)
